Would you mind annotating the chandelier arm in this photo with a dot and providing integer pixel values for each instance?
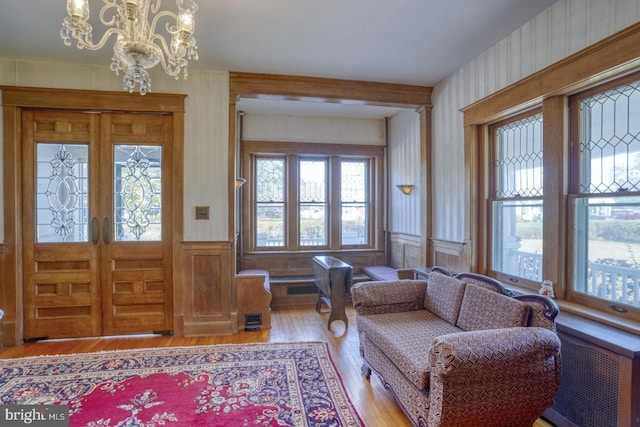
(166, 52)
(158, 16)
(101, 43)
(109, 4)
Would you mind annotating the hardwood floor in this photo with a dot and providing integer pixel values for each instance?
(374, 404)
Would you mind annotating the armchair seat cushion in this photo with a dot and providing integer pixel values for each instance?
(406, 338)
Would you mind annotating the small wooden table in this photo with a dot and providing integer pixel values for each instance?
(333, 279)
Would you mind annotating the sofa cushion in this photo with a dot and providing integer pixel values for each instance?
(405, 338)
(444, 296)
(485, 309)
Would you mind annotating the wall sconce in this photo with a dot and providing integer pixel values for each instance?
(240, 182)
(406, 188)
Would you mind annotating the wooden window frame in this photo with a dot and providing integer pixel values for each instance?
(575, 193)
(612, 58)
(491, 197)
(292, 153)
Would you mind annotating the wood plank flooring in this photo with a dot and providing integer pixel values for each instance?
(374, 404)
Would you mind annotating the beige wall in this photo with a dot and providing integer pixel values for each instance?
(314, 129)
(563, 29)
(404, 168)
(206, 130)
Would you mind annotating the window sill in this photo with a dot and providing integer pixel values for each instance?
(598, 316)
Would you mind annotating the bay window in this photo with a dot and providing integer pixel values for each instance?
(311, 196)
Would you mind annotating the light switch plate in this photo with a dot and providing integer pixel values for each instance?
(202, 212)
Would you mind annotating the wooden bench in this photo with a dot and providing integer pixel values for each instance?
(254, 299)
(384, 273)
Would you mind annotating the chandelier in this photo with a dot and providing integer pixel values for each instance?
(137, 47)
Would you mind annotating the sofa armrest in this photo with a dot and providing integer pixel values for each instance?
(388, 297)
(510, 375)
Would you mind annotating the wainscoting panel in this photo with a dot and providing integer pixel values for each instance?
(454, 256)
(300, 264)
(405, 251)
(205, 297)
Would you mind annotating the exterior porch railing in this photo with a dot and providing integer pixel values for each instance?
(608, 282)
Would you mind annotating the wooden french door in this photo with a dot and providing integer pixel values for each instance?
(97, 223)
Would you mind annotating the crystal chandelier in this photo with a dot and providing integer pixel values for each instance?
(137, 46)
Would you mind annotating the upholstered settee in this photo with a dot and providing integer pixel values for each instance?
(460, 351)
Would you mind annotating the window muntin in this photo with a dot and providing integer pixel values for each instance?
(313, 203)
(606, 202)
(353, 201)
(270, 183)
(516, 202)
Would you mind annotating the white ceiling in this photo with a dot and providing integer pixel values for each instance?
(396, 41)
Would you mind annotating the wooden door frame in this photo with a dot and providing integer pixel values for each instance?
(14, 100)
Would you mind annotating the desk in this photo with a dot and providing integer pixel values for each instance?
(333, 279)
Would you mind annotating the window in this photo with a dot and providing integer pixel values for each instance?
(353, 197)
(605, 196)
(312, 205)
(301, 199)
(516, 198)
(270, 202)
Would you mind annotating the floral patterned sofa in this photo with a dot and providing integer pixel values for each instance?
(460, 350)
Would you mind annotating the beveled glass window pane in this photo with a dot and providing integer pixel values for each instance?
(62, 191)
(353, 196)
(137, 176)
(610, 141)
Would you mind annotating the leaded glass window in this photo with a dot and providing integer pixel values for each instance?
(62, 193)
(516, 240)
(137, 193)
(607, 202)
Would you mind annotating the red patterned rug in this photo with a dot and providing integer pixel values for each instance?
(222, 385)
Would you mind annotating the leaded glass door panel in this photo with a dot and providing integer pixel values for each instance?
(97, 218)
(61, 258)
(137, 223)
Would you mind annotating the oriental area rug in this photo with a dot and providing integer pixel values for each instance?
(221, 385)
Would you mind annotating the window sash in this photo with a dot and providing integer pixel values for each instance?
(605, 197)
(516, 204)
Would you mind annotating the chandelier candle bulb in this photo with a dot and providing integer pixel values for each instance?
(79, 8)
